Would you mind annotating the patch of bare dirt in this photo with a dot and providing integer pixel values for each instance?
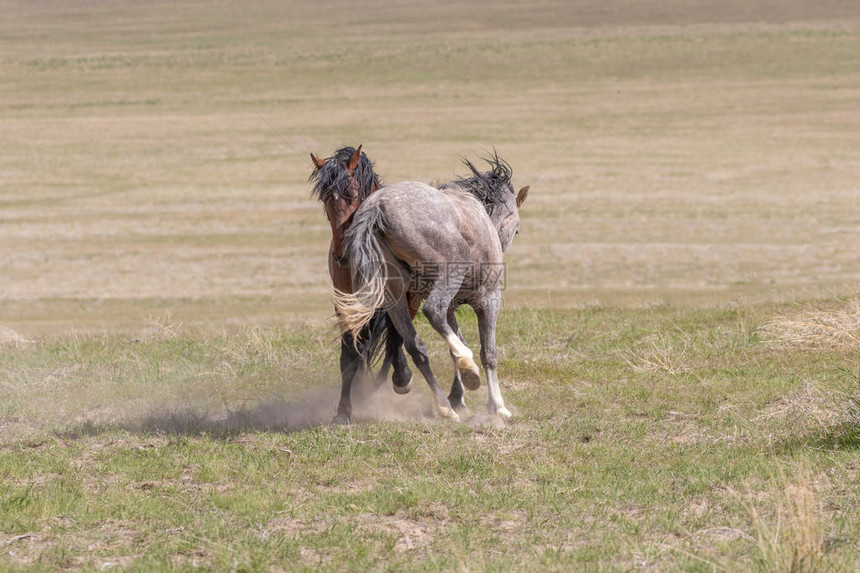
(292, 527)
(508, 524)
(411, 534)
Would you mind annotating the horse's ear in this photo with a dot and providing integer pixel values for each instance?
(318, 163)
(353, 160)
(521, 196)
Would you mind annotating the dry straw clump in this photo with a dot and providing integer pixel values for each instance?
(9, 337)
(817, 328)
(814, 410)
(659, 354)
(814, 407)
(791, 536)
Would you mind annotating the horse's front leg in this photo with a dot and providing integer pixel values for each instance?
(350, 366)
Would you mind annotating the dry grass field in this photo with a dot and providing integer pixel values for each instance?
(719, 160)
(681, 337)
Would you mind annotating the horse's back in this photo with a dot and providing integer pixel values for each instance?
(423, 224)
(408, 198)
(419, 224)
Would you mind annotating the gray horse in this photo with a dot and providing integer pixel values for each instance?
(444, 246)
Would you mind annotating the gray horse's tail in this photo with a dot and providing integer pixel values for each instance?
(355, 310)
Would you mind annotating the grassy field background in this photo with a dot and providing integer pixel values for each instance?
(681, 337)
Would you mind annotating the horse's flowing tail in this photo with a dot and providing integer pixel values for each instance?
(355, 310)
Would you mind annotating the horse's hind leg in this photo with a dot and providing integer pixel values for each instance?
(455, 397)
(399, 313)
(350, 365)
(382, 375)
(436, 310)
(487, 315)
(402, 376)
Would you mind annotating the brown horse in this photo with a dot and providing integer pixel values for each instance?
(342, 182)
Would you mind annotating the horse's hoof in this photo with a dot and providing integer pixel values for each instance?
(471, 377)
(503, 413)
(403, 388)
(341, 420)
(461, 409)
(447, 413)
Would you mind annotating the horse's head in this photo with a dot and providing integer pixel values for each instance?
(505, 212)
(509, 222)
(494, 189)
(342, 182)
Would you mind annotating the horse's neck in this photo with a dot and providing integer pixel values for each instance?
(464, 197)
(338, 234)
(340, 274)
(340, 218)
(340, 215)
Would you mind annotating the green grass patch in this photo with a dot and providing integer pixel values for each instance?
(642, 437)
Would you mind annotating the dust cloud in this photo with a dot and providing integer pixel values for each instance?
(370, 403)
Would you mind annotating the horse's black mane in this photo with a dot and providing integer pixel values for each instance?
(490, 187)
(332, 180)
